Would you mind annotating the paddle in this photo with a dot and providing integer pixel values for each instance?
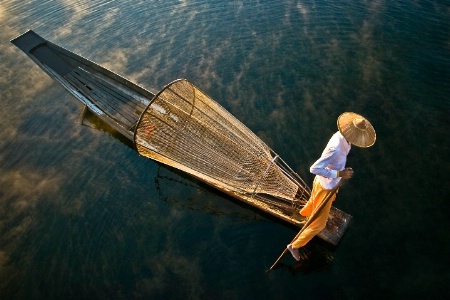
(314, 215)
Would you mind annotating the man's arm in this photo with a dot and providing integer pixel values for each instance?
(347, 173)
(320, 167)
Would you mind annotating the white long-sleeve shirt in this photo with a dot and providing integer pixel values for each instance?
(333, 159)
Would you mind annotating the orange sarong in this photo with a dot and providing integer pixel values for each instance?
(318, 193)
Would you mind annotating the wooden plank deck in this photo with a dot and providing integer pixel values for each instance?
(119, 106)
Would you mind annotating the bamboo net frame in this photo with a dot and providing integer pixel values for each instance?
(184, 128)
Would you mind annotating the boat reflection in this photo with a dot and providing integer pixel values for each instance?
(179, 189)
(91, 120)
(315, 257)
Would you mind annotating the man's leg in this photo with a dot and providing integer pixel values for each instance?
(319, 193)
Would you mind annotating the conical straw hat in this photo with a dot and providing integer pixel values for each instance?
(356, 129)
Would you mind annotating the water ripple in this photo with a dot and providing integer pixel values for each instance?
(84, 216)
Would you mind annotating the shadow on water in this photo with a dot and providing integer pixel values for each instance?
(315, 257)
(184, 192)
(89, 119)
(180, 189)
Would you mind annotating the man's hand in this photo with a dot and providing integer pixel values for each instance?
(347, 173)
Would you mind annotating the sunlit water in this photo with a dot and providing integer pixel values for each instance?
(83, 216)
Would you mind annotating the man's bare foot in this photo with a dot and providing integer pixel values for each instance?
(294, 252)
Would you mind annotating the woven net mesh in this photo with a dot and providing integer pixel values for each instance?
(184, 128)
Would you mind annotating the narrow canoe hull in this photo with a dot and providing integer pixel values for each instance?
(120, 103)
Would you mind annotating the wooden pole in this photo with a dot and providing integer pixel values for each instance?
(311, 219)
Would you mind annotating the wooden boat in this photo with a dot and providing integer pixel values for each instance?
(183, 128)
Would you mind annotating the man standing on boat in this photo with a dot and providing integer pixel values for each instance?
(330, 169)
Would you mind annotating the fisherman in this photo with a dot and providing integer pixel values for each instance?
(330, 169)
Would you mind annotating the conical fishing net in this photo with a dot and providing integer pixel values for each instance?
(184, 128)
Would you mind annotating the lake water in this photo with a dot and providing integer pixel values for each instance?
(83, 216)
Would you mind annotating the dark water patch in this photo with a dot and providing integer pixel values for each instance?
(84, 216)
